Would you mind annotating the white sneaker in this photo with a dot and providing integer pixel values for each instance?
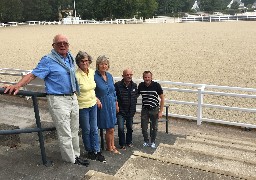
(153, 145)
(145, 144)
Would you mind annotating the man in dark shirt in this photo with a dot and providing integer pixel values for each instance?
(150, 92)
(127, 93)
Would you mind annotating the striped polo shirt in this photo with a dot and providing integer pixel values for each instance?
(150, 94)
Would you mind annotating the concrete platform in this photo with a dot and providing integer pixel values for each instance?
(24, 160)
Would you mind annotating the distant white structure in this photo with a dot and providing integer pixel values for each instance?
(70, 19)
(195, 6)
(241, 4)
(217, 14)
(254, 5)
(75, 7)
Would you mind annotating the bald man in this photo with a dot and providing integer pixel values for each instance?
(57, 70)
(127, 94)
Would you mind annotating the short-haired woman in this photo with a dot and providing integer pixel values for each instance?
(107, 101)
(87, 106)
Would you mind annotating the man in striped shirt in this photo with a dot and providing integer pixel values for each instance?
(152, 109)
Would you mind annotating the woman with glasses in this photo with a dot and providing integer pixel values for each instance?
(87, 106)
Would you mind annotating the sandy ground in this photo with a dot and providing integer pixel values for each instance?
(210, 53)
(220, 53)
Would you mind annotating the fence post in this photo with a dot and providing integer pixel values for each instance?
(40, 133)
(199, 105)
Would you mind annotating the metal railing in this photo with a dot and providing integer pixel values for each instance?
(201, 91)
(39, 129)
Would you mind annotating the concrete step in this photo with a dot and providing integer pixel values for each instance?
(95, 175)
(147, 166)
(206, 161)
(217, 149)
(241, 143)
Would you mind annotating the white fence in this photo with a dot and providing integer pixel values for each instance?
(212, 18)
(200, 90)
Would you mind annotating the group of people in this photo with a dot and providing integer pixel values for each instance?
(90, 99)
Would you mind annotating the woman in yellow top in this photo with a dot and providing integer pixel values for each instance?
(88, 107)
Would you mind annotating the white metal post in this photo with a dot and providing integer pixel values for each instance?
(199, 106)
(75, 8)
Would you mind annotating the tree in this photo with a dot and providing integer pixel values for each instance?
(85, 9)
(1, 10)
(11, 10)
(37, 10)
(234, 5)
(172, 7)
(147, 8)
(126, 9)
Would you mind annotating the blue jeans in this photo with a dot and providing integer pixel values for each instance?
(88, 124)
(121, 134)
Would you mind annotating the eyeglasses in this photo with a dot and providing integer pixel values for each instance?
(85, 61)
(128, 74)
(59, 44)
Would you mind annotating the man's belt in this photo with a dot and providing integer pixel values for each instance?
(61, 94)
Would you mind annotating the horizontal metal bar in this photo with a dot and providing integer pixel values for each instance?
(231, 88)
(181, 102)
(7, 82)
(15, 70)
(26, 93)
(28, 130)
(182, 116)
(229, 108)
(10, 74)
(35, 85)
(214, 121)
(180, 90)
(229, 94)
(229, 123)
(181, 83)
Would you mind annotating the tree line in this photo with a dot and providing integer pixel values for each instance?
(50, 10)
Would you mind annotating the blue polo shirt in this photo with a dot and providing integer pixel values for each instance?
(57, 79)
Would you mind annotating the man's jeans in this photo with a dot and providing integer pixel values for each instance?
(88, 123)
(121, 134)
(152, 115)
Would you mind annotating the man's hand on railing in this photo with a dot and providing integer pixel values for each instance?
(14, 89)
(11, 89)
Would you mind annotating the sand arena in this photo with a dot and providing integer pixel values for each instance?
(209, 53)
